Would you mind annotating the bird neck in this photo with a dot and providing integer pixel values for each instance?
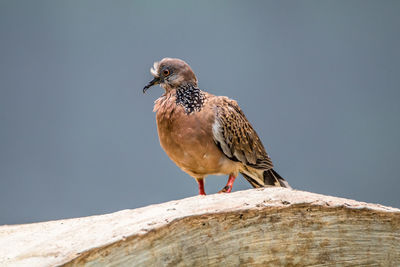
(190, 97)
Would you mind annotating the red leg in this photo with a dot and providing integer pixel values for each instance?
(200, 181)
(229, 185)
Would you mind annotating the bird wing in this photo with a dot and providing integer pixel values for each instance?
(235, 136)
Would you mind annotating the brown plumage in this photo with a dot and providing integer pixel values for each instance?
(206, 134)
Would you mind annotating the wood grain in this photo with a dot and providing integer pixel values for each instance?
(258, 227)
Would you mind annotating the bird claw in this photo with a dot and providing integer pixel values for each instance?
(226, 189)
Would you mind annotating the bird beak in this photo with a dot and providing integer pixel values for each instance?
(155, 81)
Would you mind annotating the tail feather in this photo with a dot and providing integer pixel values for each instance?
(256, 183)
(268, 177)
(272, 176)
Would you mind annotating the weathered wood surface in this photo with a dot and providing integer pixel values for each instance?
(258, 227)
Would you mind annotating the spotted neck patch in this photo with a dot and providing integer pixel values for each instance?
(190, 98)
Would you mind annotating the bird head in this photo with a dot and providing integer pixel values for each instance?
(171, 73)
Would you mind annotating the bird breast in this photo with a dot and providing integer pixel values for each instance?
(188, 139)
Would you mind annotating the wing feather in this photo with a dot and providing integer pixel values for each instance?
(235, 136)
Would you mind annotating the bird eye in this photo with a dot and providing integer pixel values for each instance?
(166, 72)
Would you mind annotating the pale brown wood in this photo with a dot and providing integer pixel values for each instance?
(258, 227)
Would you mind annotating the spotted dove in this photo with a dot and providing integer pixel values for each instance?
(206, 134)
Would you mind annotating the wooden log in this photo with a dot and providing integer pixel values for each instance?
(258, 227)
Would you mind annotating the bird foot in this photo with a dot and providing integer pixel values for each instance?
(226, 189)
(200, 181)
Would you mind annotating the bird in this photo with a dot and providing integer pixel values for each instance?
(204, 134)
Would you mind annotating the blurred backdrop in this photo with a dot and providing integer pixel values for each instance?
(319, 80)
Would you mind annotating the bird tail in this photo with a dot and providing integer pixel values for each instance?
(265, 178)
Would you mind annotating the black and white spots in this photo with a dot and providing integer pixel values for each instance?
(190, 97)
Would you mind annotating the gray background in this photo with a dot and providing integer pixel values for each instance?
(319, 80)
